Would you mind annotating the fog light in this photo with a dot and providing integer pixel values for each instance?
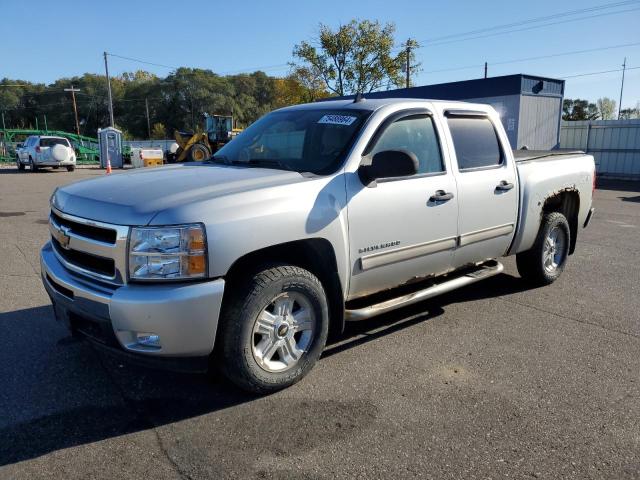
(148, 339)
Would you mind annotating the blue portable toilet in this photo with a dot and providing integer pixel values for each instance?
(110, 144)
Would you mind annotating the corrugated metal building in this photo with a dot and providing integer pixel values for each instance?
(530, 106)
(614, 144)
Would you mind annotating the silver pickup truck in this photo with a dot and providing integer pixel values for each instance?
(315, 215)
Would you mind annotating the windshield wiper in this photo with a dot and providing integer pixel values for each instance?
(267, 162)
(254, 162)
(218, 159)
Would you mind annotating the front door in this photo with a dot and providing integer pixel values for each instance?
(403, 228)
(487, 188)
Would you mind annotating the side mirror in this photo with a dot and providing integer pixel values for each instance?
(387, 164)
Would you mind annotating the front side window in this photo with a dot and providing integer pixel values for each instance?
(475, 141)
(301, 140)
(417, 134)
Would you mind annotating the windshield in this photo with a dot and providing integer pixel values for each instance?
(301, 140)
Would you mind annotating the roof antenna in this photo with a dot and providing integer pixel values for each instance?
(359, 98)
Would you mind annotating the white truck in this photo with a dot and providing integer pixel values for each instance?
(46, 151)
(315, 215)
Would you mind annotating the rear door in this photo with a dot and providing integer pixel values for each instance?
(398, 230)
(487, 186)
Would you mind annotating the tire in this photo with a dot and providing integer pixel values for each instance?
(545, 261)
(32, 165)
(71, 168)
(19, 164)
(266, 356)
(199, 152)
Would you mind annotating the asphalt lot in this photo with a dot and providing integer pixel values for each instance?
(491, 381)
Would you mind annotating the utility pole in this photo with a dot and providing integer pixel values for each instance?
(106, 69)
(75, 107)
(485, 69)
(624, 67)
(146, 104)
(408, 65)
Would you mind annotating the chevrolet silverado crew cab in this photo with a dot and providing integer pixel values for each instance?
(315, 215)
(46, 151)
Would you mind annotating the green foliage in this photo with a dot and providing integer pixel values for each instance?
(176, 102)
(579, 110)
(357, 57)
(158, 131)
(629, 113)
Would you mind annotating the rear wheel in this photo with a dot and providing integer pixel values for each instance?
(273, 331)
(19, 164)
(545, 261)
(32, 165)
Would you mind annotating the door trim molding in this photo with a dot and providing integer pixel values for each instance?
(368, 262)
(485, 234)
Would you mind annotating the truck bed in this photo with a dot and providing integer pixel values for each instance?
(526, 155)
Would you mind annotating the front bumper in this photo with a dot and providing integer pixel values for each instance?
(183, 315)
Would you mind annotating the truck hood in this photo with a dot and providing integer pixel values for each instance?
(135, 197)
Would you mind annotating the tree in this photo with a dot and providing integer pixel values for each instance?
(629, 113)
(354, 58)
(578, 110)
(158, 131)
(606, 108)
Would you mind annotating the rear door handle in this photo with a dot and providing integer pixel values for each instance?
(503, 186)
(441, 196)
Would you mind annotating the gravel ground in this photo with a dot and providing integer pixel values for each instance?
(492, 381)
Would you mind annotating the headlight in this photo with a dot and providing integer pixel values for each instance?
(167, 253)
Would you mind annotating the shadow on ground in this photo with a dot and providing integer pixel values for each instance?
(146, 398)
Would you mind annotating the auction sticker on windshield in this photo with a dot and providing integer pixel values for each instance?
(337, 119)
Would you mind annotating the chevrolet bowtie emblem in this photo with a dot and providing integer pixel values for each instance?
(63, 237)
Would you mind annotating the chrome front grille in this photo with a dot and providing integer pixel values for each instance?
(90, 248)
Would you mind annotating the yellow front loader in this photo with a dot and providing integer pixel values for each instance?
(197, 147)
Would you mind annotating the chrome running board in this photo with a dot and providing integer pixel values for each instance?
(485, 270)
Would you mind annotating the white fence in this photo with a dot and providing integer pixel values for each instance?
(615, 145)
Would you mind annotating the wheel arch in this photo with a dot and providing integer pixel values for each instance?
(314, 254)
(566, 202)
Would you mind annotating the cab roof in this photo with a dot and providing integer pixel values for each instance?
(370, 104)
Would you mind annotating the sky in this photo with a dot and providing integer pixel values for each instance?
(44, 40)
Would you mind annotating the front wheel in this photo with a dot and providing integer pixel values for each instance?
(274, 329)
(32, 165)
(19, 164)
(71, 168)
(545, 261)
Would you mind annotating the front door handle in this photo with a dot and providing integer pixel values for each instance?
(503, 186)
(441, 196)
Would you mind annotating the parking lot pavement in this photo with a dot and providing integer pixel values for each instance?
(491, 381)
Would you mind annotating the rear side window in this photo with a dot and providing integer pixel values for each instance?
(476, 142)
(50, 142)
(416, 134)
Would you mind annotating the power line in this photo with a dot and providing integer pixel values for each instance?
(539, 57)
(534, 20)
(597, 73)
(532, 27)
(143, 61)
